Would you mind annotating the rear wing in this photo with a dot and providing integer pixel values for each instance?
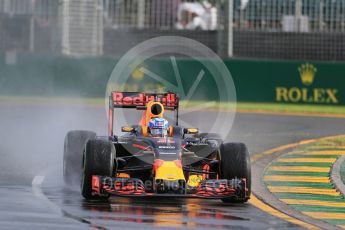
(138, 100)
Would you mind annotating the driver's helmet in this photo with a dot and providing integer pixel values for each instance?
(158, 127)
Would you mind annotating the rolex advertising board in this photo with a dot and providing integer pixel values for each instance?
(289, 82)
(307, 93)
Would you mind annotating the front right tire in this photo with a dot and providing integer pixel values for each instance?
(74, 145)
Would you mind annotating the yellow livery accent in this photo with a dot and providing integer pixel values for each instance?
(127, 129)
(192, 130)
(123, 175)
(194, 180)
(169, 171)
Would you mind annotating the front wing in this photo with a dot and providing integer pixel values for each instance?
(132, 187)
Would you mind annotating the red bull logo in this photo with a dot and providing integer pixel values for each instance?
(132, 99)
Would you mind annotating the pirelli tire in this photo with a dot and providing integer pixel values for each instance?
(74, 145)
(235, 163)
(98, 159)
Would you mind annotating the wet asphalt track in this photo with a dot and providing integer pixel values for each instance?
(32, 143)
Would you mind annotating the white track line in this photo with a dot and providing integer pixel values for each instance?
(37, 191)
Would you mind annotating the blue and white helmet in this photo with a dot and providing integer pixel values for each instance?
(158, 127)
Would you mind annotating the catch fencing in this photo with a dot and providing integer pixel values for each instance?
(251, 29)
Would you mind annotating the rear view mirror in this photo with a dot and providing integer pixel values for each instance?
(191, 131)
(127, 129)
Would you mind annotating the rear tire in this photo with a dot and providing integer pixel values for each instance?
(98, 159)
(74, 145)
(235, 163)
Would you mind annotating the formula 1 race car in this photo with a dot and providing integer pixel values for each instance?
(179, 162)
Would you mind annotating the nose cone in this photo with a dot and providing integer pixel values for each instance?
(169, 170)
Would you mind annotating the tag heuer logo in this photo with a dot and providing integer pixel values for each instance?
(307, 73)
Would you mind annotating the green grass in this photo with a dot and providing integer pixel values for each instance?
(241, 106)
(333, 142)
(291, 108)
(275, 107)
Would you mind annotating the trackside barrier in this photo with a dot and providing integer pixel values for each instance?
(256, 81)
